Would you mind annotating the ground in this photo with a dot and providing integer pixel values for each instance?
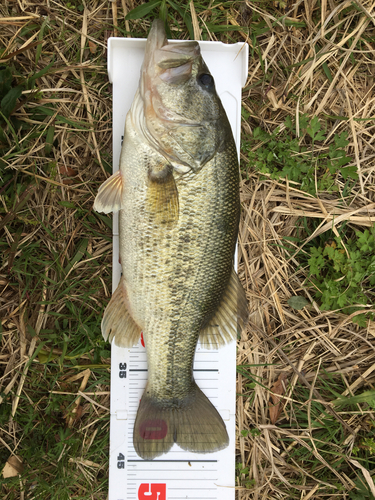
(306, 360)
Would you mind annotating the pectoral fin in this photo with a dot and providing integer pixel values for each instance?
(109, 195)
(118, 322)
(162, 195)
(230, 316)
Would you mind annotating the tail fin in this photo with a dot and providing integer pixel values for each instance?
(193, 423)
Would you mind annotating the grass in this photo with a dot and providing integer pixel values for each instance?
(308, 168)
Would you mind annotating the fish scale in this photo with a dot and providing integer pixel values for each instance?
(202, 209)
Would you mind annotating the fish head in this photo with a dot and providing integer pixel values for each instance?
(183, 115)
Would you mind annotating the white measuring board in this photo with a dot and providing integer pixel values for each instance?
(178, 474)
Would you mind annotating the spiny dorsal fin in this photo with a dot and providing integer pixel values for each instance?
(117, 321)
(162, 195)
(109, 195)
(230, 316)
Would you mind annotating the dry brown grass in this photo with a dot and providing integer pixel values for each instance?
(309, 343)
(56, 227)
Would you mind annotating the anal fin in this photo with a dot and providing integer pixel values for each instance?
(230, 316)
(109, 195)
(117, 321)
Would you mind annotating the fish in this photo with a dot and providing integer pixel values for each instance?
(177, 194)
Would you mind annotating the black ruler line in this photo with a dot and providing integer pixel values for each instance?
(171, 461)
(194, 370)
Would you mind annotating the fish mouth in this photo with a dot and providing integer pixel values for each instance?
(171, 62)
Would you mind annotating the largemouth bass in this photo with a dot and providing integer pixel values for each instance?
(177, 192)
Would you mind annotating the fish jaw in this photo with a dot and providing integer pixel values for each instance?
(156, 40)
(171, 62)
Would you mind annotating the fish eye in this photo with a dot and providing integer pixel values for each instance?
(206, 81)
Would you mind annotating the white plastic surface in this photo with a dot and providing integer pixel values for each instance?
(177, 474)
